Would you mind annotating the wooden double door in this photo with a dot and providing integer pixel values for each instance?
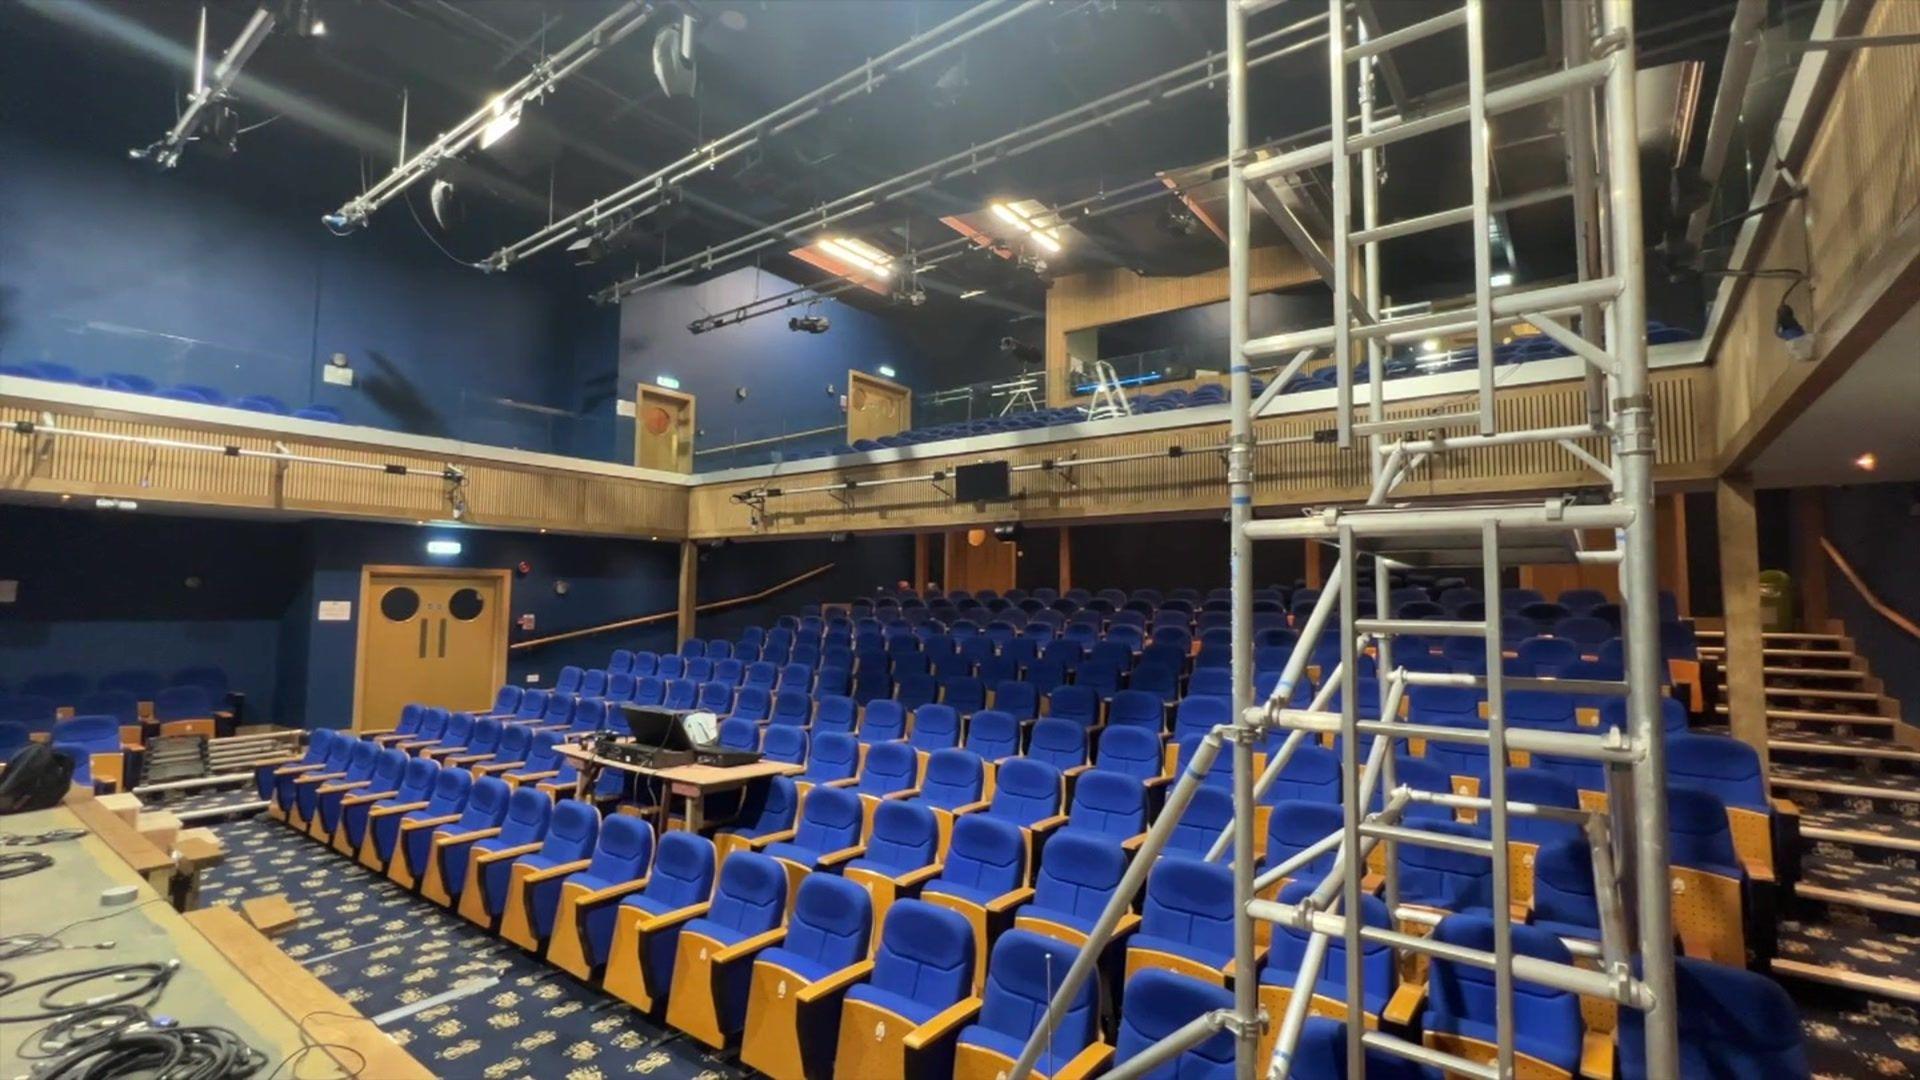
(430, 635)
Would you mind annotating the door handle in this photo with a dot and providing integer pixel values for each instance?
(423, 639)
(443, 639)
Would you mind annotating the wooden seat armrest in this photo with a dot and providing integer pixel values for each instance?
(1048, 824)
(493, 767)
(755, 843)
(375, 733)
(846, 854)
(835, 983)
(920, 876)
(278, 764)
(903, 793)
(653, 924)
(943, 1025)
(971, 808)
(846, 781)
(1128, 923)
(318, 778)
(552, 872)
(465, 760)
(1758, 870)
(1405, 1003)
(417, 744)
(398, 808)
(367, 797)
(333, 789)
(1092, 1059)
(1132, 843)
(1259, 957)
(612, 892)
(1372, 881)
(1784, 806)
(482, 857)
(1157, 781)
(467, 837)
(1008, 901)
(1596, 1056)
(1518, 911)
(1075, 770)
(536, 777)
(743, 949)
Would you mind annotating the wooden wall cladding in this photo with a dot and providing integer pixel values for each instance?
(498, 494)
(1856, 231)
(1293, 474)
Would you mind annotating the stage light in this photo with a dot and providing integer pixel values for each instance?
(504, 120)
(808, 324)
(1866, 462)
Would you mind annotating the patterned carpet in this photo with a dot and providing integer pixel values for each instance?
(1852, 1040)
(382, 949)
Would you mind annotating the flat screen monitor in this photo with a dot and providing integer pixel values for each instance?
(985, 482)
(650, 724)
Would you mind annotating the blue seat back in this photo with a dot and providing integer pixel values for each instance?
(785, 743)
(683, 871)
(792, 708)
(986, 854)
(833, 757)
(738, 734)
(993, 734)
(925, 954)
(1699, 835)
(417, 782)
(1079, 874)
(884, 721)
(953, 778)
(1060, 743)
(935, 727)
(450, 789)
(905, 836)
(1725, 766)
(830, 819)
(1110, 804)
(1136, 708)
(1296, 824)
(572, 830)
(1733, 1024)
(1025, 791)
(1434, 877)
(1157, 1003)
(1376, 959)
(1023, 972)
(1190, 901)
(1461, 998)
(529, 811)
(831, 922)
(890, 767)
(835, 714)
(752, 894)
(1076, 703)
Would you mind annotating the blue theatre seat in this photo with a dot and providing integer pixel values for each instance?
(647, 925)
(904, 1017)
(713, 966)
(797, 990)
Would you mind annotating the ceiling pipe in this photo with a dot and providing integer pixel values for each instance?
(1743, 42)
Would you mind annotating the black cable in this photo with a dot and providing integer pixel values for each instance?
(151, 1048)
(308, 1044)
(14, 864)
(19, 945)
(152, 978)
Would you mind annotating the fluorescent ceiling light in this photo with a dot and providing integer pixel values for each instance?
(667, 381)
(1025, 215)
(971, 293)
(504, 120)
(443, 547)
(1499, 280)
(858, 254)
(885, 371)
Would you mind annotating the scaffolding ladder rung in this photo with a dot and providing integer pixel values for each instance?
(1509, 307)
(1423, 627)
(1427, 422)
(1448, 1064)
(1452, 521)
(1506, 99)
(1425, 28)
(1464, 845)
(1568, 744)
(1459, 215)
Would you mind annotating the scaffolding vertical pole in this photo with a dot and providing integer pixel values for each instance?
(1351, 795)
(1340, 250)
(1240, 554)
(1634, 471)
(1482, 184)
(1576, 36)
(1497, 796)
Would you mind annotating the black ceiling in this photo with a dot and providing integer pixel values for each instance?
(109, 73)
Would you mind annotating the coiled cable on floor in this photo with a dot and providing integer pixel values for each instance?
(15, 864)
(147, 1047)
(150, 980)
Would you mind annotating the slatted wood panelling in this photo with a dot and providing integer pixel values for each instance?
(1856, 229)
(497, 493)
(1292, 474)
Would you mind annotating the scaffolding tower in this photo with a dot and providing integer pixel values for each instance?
(1600, 317)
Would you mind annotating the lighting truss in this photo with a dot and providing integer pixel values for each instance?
(208, 92)
(492, 121)
(642, 196)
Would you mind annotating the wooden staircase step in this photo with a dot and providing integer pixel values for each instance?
(1878, 986)
(1844, 674)
(1855, 898)
(1824, 695)
(1715, 652)
(1775, 635)
(1808, 716)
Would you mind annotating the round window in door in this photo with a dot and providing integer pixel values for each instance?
(400, 603)
(466, 604)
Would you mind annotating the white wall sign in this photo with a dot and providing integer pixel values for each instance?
(336, 611)
(9, 592)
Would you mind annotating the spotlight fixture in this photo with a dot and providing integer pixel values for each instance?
(1179, 220)
(1866, 462)
(505, 119)
(808, 324)
(673, 65)
(1026, 215)
(1008, 531)
(1786, 325)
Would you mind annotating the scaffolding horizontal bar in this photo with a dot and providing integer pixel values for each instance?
(1513, 682)
(1448, 1064)
(1510, 306)
(1459, 215)
(1367, 524)
(1576, 980)
(1422, 627)
(1506, 99)
(1463, 845)
(1426, 28)
(1609, 747)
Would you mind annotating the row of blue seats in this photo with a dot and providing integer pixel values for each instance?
(195, 393)
(35, 713)
(1079, 859)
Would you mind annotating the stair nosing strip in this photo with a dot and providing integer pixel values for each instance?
(1903, 989)
(1872, 901)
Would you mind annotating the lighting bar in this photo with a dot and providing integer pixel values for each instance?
(861, 80)
(491, 122)
(168, 150)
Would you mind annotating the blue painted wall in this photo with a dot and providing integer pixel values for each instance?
(1876, 527)
(786, 374)
(231, 281)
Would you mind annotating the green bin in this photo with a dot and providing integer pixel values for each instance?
(1776, 601)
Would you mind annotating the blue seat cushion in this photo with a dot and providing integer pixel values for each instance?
(720, 932)
(1000, 1042)
(1180, 948)
(961, 892)
(804, 966)
(793, 852)
(916, 1012)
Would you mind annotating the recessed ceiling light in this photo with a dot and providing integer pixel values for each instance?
(858, 254)
(1866, 462)
(1026, 215)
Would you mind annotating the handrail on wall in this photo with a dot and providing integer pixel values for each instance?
(1860, 586)
(662, 616)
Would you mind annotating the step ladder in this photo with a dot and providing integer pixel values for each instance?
(1600, 317)
(1109, 397)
